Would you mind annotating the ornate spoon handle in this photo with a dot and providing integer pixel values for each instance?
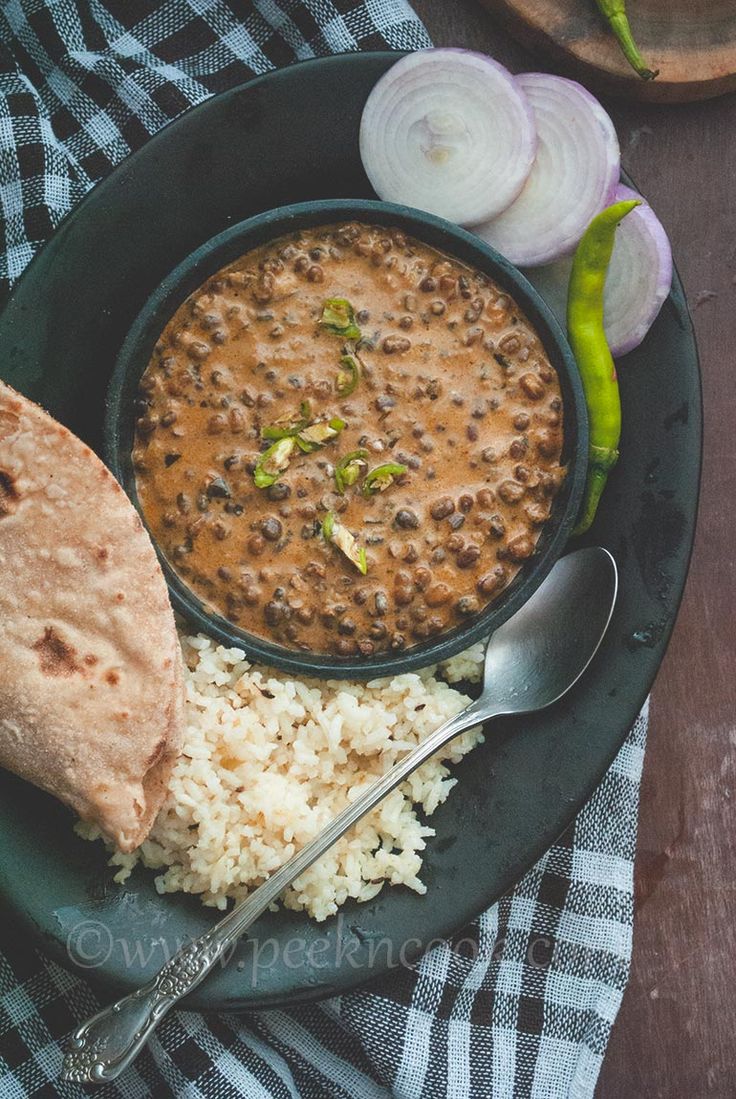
(107, 1043)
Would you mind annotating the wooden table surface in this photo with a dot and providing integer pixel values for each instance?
(674, 1036)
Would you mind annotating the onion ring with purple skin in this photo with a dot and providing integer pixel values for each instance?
(638, 282)
(574, 177)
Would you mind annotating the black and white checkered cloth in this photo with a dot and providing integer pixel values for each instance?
(521, 1003)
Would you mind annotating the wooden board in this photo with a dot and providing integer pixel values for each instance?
(691, 42)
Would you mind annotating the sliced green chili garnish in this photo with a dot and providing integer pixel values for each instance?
(273, 462)
(333, 531)
(275, 431)
(349, 376)
(379, 479)
(307, 436)
(328, 525)
(347, 470)
(315, 436)
(289, 425)
(338, 317)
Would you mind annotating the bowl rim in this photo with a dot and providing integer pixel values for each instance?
(238, 239)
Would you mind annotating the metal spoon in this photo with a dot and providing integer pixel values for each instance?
(531, 661)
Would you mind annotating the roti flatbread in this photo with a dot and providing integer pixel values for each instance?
(91, 678)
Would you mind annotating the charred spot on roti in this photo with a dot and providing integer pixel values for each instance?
(120, 597)
(9, 495)
(9, 423)
(157, 752)
(56, 656)
(112, 677)
(102, 553)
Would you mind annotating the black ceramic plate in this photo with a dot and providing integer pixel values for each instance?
(288, 137)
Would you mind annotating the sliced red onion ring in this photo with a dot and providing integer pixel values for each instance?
(638, 281)
(574, 175)
(448, 131)
(639, 278)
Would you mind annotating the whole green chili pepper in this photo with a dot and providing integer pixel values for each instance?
(595, 362)
(615, 13)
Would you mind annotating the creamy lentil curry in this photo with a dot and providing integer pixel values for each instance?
(347, 441)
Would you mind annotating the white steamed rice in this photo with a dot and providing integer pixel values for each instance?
(268, 761)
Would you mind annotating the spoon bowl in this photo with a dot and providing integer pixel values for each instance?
(540, 652)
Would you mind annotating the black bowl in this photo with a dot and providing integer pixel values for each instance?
(234, 242)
